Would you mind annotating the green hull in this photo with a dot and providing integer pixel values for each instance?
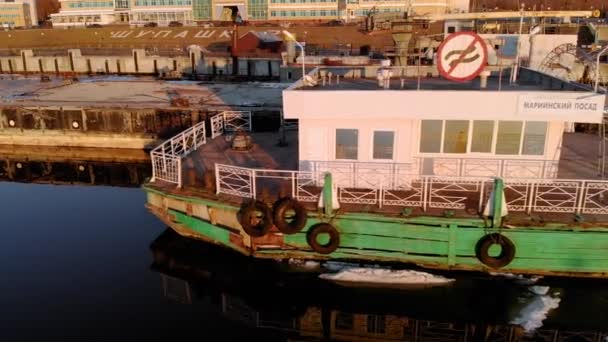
(430, 242)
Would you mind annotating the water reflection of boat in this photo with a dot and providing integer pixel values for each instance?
(262, 294)
(68, 165)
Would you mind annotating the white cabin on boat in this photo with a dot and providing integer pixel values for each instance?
(353, 126)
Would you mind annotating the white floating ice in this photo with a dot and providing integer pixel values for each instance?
(517, 277)
(385, 276)
(531, 317)
(304, 264)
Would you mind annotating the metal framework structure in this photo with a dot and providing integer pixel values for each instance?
(553, 64)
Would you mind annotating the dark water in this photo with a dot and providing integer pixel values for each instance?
(89, 263)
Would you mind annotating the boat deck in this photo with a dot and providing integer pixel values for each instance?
(579, 156)
(579, 161)
(264, 154)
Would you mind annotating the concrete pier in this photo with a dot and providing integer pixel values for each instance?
(130, 113)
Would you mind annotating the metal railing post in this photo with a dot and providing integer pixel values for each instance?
(217, 180)
(179, 172)
(582, 189)
(253, 186)
(194, 138)
(293, 185)
(154, 161)
(597, 69)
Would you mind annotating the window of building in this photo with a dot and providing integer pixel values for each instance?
(430, 137)
(482, 138)
(344, 321)
(347, 144)
(534, 138)
(376, 324)
(383, 144)
(456, 136)
(509, 137)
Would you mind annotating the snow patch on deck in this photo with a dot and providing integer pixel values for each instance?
(384, 276)
(532, 315)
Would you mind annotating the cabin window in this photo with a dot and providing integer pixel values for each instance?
(483, 133)
(456, 136)
(347, 143)
(483, 136)
(344, 321)
(376, 324)
(534, 138)
(383, 144)
(508, 139)
(430, 138)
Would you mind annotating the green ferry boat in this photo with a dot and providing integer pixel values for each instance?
(369, 165)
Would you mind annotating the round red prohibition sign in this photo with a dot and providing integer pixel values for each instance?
(462, 56)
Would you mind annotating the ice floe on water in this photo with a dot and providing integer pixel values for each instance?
(307, 265)
(518, 278)
(532, 315)
(384, 276)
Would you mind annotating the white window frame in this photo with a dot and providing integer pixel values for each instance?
(371, 152)
(494, 136)
(519, 155)
(335, 143)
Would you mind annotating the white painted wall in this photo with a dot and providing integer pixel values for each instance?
(317, 141)
(360, 105)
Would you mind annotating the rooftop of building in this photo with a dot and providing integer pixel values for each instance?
(529, 80)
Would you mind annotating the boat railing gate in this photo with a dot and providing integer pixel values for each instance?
(167, 157)
(230, 121)
(413, 190)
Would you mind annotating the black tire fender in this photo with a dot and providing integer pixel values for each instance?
(320, 228)
(279, 216)
(507, 253)
(249, 214)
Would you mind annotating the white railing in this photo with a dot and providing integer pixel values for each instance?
(457, 193)
(217, 125)
(245, 182)
(167, 157)
(393, 175)
(235, 120)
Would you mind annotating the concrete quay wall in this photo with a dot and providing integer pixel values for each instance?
(138, 62)
(92, 127)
